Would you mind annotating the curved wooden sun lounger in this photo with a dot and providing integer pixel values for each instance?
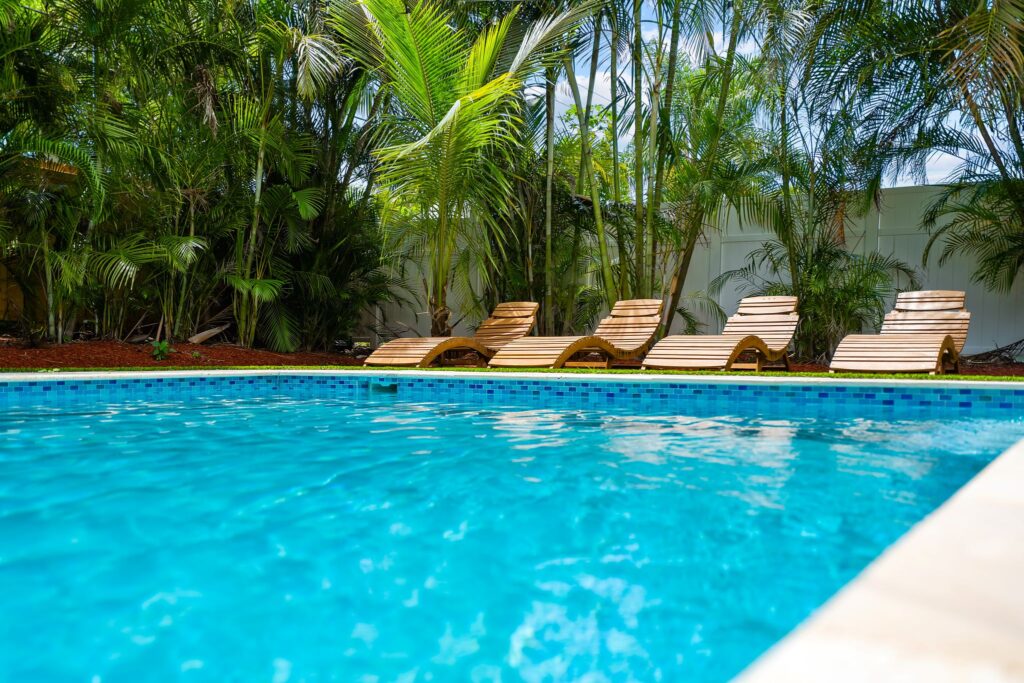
(625, 334)
(925, 332)
(509, 321)
(763, 327)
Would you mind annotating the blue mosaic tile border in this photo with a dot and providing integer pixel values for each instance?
(71, 392)
(633, 396)
(808, 399)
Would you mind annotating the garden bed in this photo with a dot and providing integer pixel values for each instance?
(80, 355)
(14, 355)
(986, 369)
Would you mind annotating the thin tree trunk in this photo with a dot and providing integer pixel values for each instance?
(440, 316)
(638, 160)
(595, 190)
(364, 137)
(993, 150)
(51, 323)
(659, 173)
(595, 57)
(549, 177)
(245, 317)
(787, 214)
(1011, 124)
(651, 199)
(620, 233)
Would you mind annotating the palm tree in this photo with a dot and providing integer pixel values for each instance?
(456, 102)
(923, 76)
(717, 152)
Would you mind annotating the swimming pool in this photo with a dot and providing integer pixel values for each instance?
(402, 528)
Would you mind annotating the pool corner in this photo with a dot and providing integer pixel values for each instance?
(945, 603)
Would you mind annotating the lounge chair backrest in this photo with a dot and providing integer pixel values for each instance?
(930, 312)
(631, 323)
(772, 318)
(509, 320)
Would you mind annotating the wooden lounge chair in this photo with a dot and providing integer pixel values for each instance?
(625, 334)
(762, 327)
(509, 321)
(925, 332)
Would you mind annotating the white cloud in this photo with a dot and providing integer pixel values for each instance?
(941, 166)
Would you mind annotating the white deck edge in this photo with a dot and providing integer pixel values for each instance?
(945, 603)
(649, 376)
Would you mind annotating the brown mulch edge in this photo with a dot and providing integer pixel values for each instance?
(979, 369)
(112, 354)
(15, 355)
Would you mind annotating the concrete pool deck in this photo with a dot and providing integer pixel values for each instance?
(944, 603)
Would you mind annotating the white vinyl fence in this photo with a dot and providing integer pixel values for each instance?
(894, 229)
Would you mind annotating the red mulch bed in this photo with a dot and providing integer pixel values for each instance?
(1000, 370)
(111, 354)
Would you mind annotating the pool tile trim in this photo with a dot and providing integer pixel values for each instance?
(657, 392)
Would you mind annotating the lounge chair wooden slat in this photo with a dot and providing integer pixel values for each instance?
(636, 307)
(953, 323)
(930, 300)
(925, 332)
(500, 329)
(515, 309)
(762, 326)
(625, 334)
(767, 305)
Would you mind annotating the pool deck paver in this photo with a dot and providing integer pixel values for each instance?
(945, 603)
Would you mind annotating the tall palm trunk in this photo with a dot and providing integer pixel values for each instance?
(620, 234)
(549, 179)
(638, 156)
(595, 191)
(246, 305)
(659, 171)
(787, 213)
(440, 315)
(595, 55)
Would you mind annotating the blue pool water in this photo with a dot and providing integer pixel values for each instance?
(387, 539)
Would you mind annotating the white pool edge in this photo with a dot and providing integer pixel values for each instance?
(766, 378)
(945, 603)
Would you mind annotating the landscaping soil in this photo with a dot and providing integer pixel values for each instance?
(991, 369)
(110, 354)
(15, 355)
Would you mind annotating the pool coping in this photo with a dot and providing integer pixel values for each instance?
(535, 376)
(944, 603)
(941, 604)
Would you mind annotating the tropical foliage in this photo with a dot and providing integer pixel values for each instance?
(281, 168)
